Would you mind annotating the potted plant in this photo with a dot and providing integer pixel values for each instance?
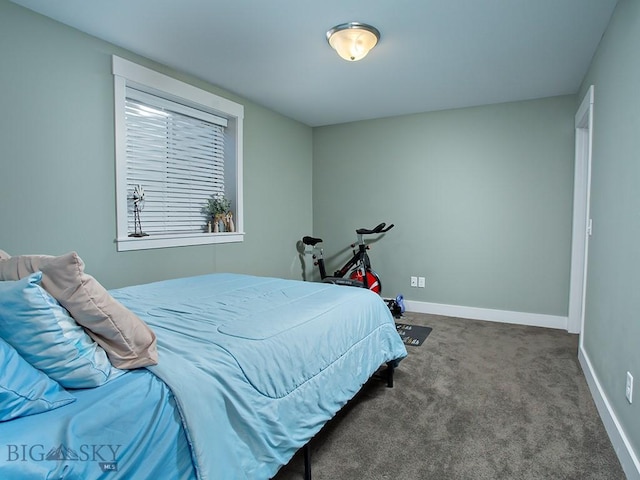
(217, 209)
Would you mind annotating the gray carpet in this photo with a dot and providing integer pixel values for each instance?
(478, 400)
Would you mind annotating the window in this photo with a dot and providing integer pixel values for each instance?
(181, 146)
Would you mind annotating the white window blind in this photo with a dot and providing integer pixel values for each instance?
(177, 154)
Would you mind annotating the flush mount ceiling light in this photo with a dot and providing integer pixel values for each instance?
(353, 40)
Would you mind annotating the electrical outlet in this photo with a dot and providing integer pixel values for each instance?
(414, 281)
(421, 282)
(629, 389)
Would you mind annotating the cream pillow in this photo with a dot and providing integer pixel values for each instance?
(4, 255)
(128, 341)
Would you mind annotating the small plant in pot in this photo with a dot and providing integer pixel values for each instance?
(217, 209)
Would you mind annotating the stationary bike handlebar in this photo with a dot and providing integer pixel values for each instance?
(378, 229)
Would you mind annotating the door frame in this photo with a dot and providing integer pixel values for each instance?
(582, 223)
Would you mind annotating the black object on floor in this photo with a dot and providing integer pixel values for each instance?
(413, 334)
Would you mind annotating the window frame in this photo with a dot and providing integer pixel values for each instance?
(127, 73)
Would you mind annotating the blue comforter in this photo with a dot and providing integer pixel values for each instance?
(258, 365)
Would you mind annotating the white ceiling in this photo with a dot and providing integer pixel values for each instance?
(433, 54)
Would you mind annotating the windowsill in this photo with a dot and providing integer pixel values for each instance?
(165, 241)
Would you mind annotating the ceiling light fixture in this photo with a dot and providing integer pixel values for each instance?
(353, 40)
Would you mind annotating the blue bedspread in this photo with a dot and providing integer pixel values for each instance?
(258, 365)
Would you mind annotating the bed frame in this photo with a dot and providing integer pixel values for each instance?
(391, 366)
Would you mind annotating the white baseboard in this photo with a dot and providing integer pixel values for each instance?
(502, 316)
(628, 458)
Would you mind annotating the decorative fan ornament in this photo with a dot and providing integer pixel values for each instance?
(138, 206)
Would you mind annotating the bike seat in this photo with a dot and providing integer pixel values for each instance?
(312, 241)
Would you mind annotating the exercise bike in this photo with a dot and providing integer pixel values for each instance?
(357, 271)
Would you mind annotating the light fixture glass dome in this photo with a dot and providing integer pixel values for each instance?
(353, 40)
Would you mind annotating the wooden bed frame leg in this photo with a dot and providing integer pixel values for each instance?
(307, 462)
(390, 368)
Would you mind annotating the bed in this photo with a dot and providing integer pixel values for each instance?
(221, 376)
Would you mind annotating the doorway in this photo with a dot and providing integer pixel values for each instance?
(582, 223)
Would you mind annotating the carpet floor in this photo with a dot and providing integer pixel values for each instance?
(477, 401)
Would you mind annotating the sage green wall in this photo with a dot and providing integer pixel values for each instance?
(612, 316)
(481, 199)
(57, 163)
